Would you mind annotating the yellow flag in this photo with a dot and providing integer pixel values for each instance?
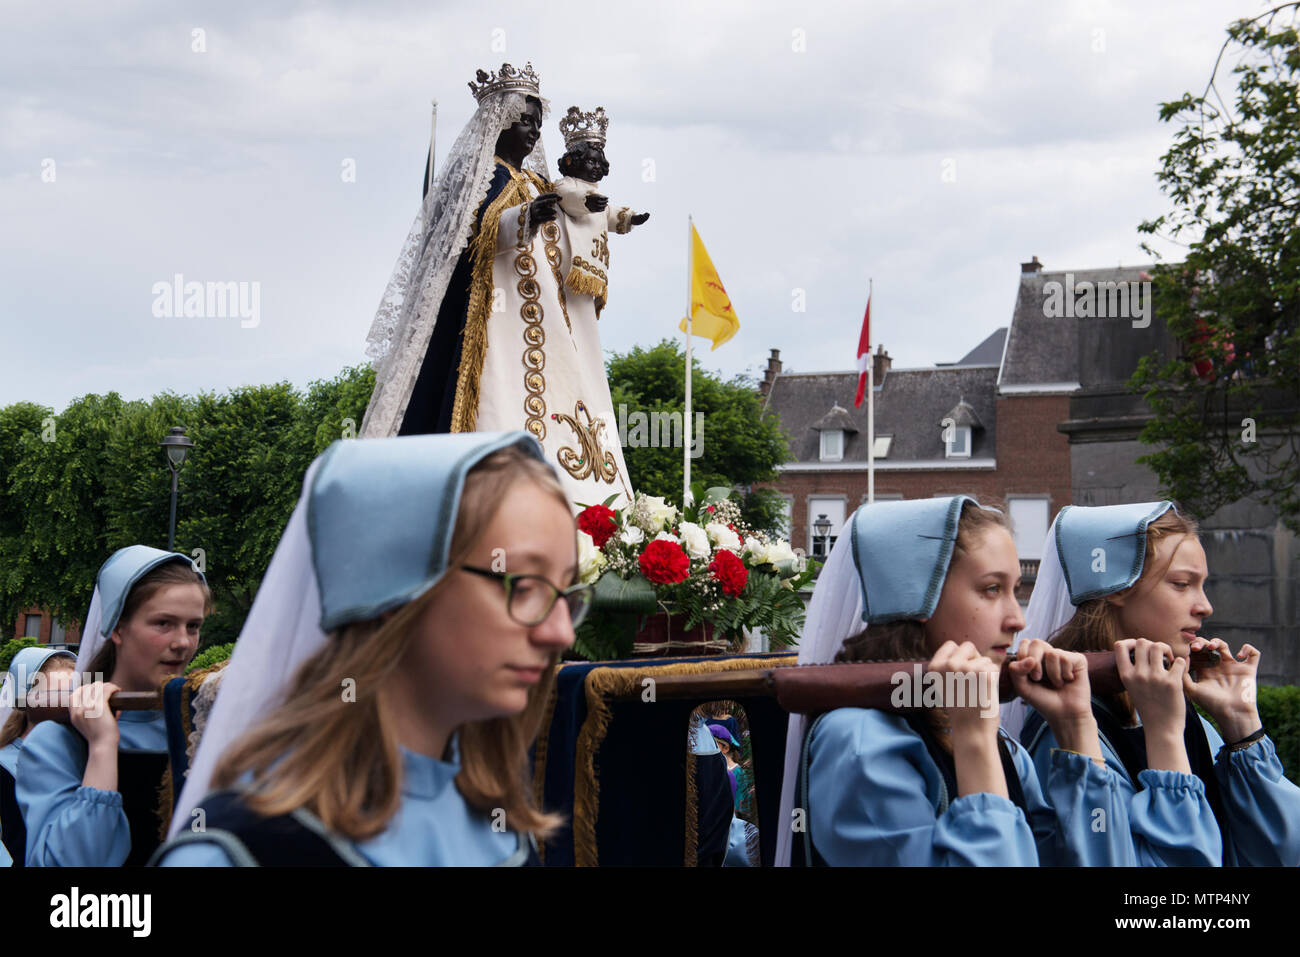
(711, 312)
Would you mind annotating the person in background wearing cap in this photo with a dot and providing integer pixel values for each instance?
(1132, 578)
(935, 578)
(393, 672)
(89, 792)
(36, 675)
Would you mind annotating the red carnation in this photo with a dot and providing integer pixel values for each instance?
(599, 522)
(664, 562)
(730, 571)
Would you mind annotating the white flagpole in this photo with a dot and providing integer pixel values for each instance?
(686, 424)
(871, 411)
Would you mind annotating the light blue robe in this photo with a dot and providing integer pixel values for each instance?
(9, 761)
(68, 824)
(434, 827)
(1173, 823)
(9, 756)
(874, 792)
(1262, 805)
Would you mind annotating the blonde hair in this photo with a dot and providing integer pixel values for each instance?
(1095, 625)
(340, 759)
(19, 723)
(178, 572)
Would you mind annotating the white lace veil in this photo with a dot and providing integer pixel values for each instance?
(834, 613)
(281, 632)
(403, 325)
(1049, 609)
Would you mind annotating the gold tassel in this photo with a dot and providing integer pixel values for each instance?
(585, 284)
(464, 410)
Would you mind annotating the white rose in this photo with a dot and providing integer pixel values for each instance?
(779, 552)
(632, 535)
(591, 560)
(667, 537)
(722, 536)
(694, 540)
(755, 550)
(657, 512)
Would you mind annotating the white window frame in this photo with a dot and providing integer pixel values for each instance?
(950, 446)
(1027, 544)
(837, 455)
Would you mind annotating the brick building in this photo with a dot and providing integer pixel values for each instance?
(40, 624)
(1040, 416)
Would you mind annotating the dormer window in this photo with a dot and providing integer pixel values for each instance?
(833, 430)
(958, 427)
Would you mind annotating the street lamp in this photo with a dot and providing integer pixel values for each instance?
(177, 446)
(822, 531)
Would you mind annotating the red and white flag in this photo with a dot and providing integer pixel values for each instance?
(864, 355)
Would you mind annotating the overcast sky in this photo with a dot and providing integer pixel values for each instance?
(930, 146)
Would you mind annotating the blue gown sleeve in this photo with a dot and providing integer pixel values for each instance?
(1082, 819)
(1263, 807)
(68, 825)
(197, 854)
(873, 794)
(1169, 822)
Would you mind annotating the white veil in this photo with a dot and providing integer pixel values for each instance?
(834, 613)
(281, 632)
(1049, 609)
(91, 639)
(408, 311)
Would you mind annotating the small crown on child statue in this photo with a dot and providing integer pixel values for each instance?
(579, 127)
(509, 80)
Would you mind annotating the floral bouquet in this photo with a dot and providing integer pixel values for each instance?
(702, 567)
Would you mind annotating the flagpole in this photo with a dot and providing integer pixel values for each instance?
(871, 414)
(686, 424)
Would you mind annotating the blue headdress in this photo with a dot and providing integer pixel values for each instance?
(1102, 549)
(902, 551)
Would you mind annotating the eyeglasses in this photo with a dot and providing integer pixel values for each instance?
(530, 598)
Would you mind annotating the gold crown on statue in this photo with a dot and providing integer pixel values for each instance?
(579, 127)
(509, 80)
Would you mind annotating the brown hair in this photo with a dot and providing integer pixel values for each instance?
(340, 759)
(907, 639)
(179, 572)
(18, 723)
(1095, 625)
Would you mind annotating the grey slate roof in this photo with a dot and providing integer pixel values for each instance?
(987, 353)
(963, 414)
(1043, 350)
(836, 418)
(910, 406)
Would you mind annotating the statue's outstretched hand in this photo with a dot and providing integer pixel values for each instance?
(543, 208)
(640, 218)
(597, 203)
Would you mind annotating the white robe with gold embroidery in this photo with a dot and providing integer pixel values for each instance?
(543, 368)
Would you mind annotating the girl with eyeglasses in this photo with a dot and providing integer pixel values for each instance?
(392, 674)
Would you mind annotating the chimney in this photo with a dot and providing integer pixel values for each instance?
(1030, 267)
(773, 370)
(880, 363)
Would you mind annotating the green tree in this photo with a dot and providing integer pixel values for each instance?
(739, 445)
(1226, 411)
(77, 486)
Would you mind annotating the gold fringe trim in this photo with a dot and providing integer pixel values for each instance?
(600, 687)
(585, 284)
(690, 857)
(193, 682)
(464, 410)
